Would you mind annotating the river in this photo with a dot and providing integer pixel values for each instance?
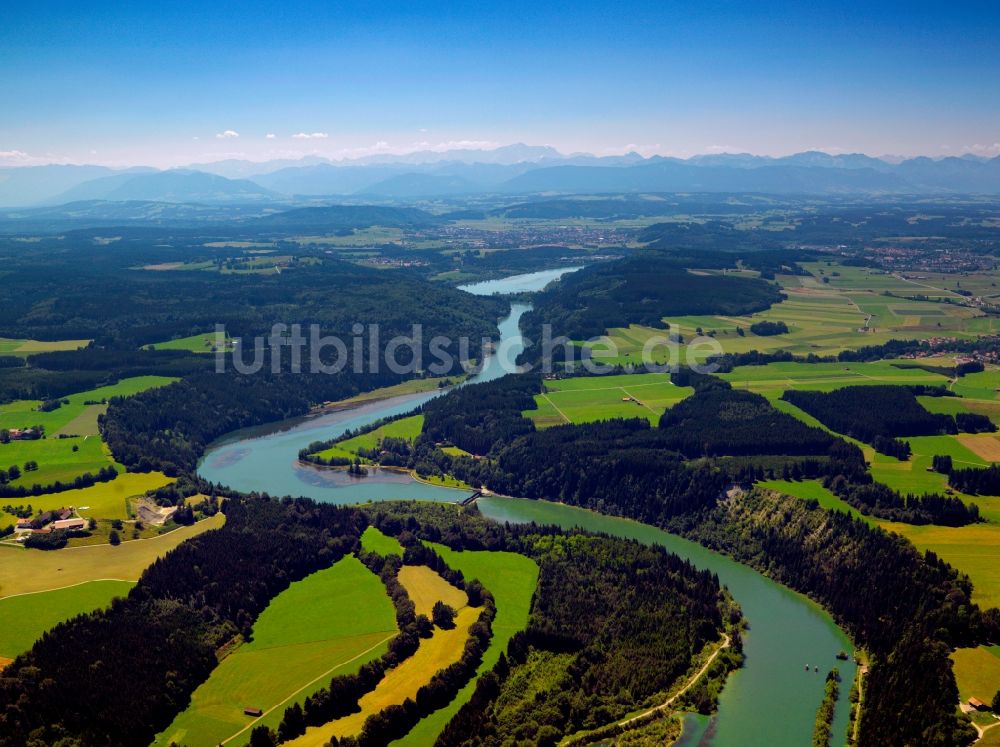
(770, 702)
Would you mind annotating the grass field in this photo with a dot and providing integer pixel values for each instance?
(9, 346)
(408, 428)
(24, 413)
(104, 500)
(24, 618)
(24, 571)
(591, 398)
(204, 342)
(441, 650)
(814, 490)
(511, 578)
(977, 672)
(327, 624)
(58, 459)
(775, 378)
(825, 311)
(375, 541)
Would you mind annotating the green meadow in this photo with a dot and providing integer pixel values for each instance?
(24, 618)
(58, 458)
(72, 445)
(203, 342)
(977, 672)
(372, 540)
(511, 578)
(408, 428)
(813, 490)
(327, 624)
(24, 413)
(972, 549)
(591, 398)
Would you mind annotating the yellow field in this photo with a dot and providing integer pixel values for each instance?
(973, 550)
(426, 587)
(443, 649)
(984, 445)
(25, 571)
(105, 500)
(439, 651)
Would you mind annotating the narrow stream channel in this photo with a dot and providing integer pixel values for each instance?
(770, 702)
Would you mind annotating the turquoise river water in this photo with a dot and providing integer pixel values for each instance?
(770, 702)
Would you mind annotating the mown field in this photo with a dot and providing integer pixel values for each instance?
(977, 672)
(592, 398)
(203, 342)
(329, 623)
(441, 650)
(24, 618)
(9, 346)
(24, 571)
(511, 578)
(372, 540)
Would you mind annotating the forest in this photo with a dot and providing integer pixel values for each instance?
(877, 415)
(83, 682)
(590, 657)
(644, 290)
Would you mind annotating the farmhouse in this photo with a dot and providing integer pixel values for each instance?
(69, 524)
(23, 524)
(24, 434)
(977, 704)
(255, 712)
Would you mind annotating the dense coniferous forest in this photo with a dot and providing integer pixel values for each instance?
(642, 290)
(976, 480)
(907, 608)
(90, 292)
(168, 428)
(613, 624)
(874, 414)
(720, 420)
(83, 680)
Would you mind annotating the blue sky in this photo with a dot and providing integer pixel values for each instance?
(127, 83)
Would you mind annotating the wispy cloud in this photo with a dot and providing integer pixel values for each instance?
(227, 135)
(270, 136)
(983, 150)
(311, 135)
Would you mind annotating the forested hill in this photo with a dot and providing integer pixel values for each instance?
(89, 295)
(612, 620)
(640, 290)
(118, 676)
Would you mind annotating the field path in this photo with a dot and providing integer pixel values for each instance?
(556, 408)
(626, 723)
(637, 399)
(327, 673)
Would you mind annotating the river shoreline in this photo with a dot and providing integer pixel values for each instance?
(770, 702)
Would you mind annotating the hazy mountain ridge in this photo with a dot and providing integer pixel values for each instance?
(516, 169)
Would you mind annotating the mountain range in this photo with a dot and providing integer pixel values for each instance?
(509, 170)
